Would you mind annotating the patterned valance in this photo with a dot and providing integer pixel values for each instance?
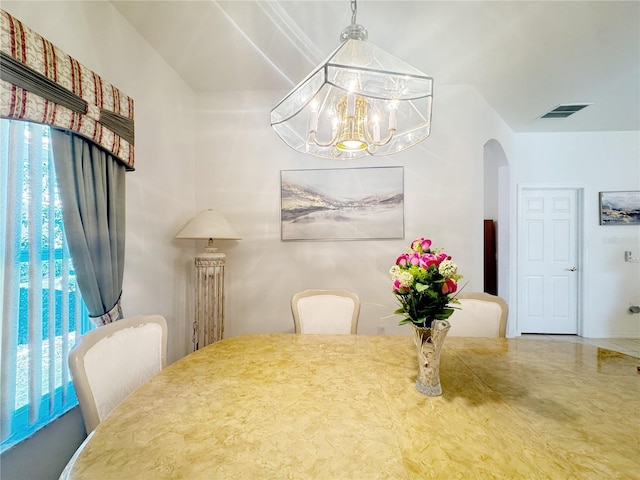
(41, 83)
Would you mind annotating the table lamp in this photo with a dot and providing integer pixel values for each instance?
(208, 325)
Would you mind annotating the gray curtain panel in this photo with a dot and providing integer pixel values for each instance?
(92, 188)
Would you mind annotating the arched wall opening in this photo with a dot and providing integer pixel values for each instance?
(496, 210)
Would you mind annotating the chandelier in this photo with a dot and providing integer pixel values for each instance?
(360, 101)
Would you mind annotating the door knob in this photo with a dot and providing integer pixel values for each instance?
(572, 269)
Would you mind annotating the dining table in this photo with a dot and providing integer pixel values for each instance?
(345, 407)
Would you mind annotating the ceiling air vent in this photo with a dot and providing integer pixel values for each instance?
(565, 110)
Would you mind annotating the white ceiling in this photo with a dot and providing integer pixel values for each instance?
(524, 57)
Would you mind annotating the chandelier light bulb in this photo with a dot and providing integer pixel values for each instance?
(376, 129)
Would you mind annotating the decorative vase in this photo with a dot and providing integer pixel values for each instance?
(429, 344)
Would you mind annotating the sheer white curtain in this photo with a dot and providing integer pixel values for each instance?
(42, 309)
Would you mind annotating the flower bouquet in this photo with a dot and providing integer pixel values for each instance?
(425, 280)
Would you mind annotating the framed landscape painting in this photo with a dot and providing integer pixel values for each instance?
(620, 208)
(342, 204)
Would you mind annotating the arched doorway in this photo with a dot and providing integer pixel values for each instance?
(496, 210)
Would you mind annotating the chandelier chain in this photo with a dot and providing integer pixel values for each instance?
(354, 11)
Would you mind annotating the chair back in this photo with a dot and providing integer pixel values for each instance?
(110, 362)
(479, 315)
(325, 311)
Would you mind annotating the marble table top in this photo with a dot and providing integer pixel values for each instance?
(345, 407)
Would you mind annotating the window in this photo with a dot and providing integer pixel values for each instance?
(42, 309)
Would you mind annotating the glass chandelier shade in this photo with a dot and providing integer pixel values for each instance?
(360, 101)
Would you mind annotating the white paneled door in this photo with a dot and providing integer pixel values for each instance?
(548, 270)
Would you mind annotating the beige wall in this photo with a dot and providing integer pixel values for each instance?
(240, 176)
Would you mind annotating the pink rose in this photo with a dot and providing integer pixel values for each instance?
(427, 260)
(414, 258)
(440, 257)
(402, 259)
(397, 287)
(421, 244)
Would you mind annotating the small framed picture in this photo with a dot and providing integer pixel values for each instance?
(620, 208)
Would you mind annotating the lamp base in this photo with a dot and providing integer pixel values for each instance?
(208, 326)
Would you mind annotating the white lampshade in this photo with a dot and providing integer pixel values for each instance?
(208, 224)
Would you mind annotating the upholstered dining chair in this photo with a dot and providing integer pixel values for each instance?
(479, 315)
(111, 361)
(325, 311)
